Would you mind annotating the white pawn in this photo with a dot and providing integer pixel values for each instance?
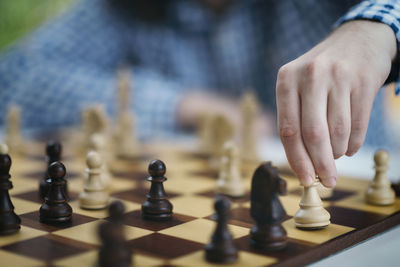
(94, 196)
(250, 110)
(98, 143)
(324, 192)
(126, 144)
(379, 192)
(3, 149)
(311, 215)
(13, 131)
(229, 181)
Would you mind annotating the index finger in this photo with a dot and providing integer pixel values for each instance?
(288, 109)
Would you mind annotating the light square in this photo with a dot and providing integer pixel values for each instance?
(188, 185)
(358, 202)
(11, 259)
(200, 230)
(316, 236)
(103, 213)
(23, 234)
(23, 206)
(196, 206)
(88, 232)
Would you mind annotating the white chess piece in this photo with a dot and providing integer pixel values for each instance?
(312, 214)
(229, 181)
(250, 109)
(98, 143)
(126, 142)
(223, 131)
(94, 195)
(324, 192)
(3, 149)
(379, 191)
(13, 131)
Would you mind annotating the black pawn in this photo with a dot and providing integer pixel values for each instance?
(9, 221)
(53, 154)
(55, 208)
(266, 209)
(157, 207)
(114, 250)
(221, 248)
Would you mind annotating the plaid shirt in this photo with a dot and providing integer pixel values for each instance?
(71, 61)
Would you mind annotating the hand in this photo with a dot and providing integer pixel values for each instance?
(324, 97)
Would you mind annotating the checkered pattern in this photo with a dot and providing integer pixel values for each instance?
(180, 241)
(70, 62)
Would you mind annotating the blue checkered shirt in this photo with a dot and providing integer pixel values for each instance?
(71, 61)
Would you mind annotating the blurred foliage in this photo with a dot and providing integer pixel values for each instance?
(18, 17)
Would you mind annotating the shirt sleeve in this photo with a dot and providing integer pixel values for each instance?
(71, 63)
(385, 11)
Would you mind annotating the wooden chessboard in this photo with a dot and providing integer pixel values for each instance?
(179, 242)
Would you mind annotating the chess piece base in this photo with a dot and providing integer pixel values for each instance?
(380, 197)
(55, 215)
(220, 254)
(93, 201)
(312, 218)
(160, 210)
(10, 224)
(268, 237)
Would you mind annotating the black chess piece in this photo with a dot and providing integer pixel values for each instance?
(9, 221)
(55, 208)
(53, 154)
(221, 248)
(157, 207)
(114, 250)
(266, 208)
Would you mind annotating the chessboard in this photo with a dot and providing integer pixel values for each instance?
(179, 242)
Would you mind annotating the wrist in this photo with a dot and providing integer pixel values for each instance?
(379, 35)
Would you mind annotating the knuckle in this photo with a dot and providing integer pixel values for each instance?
(288, 131)
(314, 67)
(339, 129)
(312, 134)
(359, 125)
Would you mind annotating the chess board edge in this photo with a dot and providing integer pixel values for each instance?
(340, 243)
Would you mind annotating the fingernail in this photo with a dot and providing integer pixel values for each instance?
(307, 181)
(330, 181)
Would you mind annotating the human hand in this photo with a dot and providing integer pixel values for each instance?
(324, 97)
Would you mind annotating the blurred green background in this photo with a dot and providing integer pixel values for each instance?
(18, 17)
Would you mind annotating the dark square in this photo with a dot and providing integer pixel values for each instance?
(138, 194)
(353, 218)
(34, 196)
(134, 218)
(48, 247)
(32, 220)
(164, 246)
(38, 175)
(294, 247)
